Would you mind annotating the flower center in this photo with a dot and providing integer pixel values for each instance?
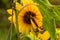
(28, 16)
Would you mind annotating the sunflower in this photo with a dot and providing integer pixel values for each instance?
(29, 16)
(18, 7)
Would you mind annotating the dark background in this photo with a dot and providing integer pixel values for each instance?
(4, 22)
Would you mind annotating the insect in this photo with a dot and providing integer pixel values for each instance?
(37, 29)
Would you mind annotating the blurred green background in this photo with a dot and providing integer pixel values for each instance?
(4, 22)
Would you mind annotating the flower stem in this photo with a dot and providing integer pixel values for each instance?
(16, 18)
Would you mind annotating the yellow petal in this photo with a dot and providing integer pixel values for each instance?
(18, 6)
(10, 19)
(46, 35)
(25, 2)
(32, 35)
(40, 35)
(10, 11)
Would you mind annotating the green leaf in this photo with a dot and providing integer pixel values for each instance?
(50, 26)
(57, 10)
(26, 38)
(44, 1)
(49, 17)
(48, 23)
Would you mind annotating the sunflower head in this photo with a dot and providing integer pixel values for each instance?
(28, 17)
